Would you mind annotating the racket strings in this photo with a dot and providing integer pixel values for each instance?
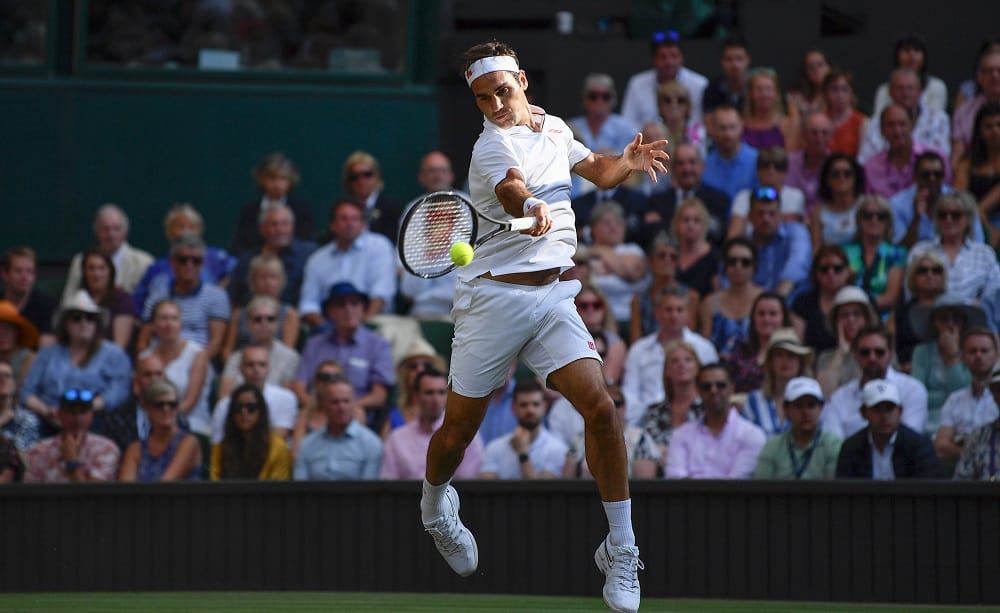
(434, 226)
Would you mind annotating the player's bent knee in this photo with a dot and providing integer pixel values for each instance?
(599, 415)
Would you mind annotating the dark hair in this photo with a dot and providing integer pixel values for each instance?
(824, 192)
(428, 372)
(827, 250)
(492, 48)
(753, 339)
(722, 366)
(743, 242)
(19, 252)
(978, 153)
(734, 41)
(979, 331)
(109, 292)
(929, 155)
(838, 73)
(912, 40)
(347, 201)
(527, 385)
(986, 48)
(243, 457)
(869, 329)
(805, 85)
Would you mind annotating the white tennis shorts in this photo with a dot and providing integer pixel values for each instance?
(496, 323)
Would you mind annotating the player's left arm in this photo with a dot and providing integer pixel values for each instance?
(607, 171)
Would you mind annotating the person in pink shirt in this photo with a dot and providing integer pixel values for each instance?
(720, 445)
(891, 170)
(404, 455)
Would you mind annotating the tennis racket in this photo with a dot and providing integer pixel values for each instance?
(435, 222)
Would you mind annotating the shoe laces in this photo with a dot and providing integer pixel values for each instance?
(445, 533)
(628, 564)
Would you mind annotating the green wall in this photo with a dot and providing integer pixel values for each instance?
(68, 146)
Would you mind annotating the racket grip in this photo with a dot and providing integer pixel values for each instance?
(523, 223)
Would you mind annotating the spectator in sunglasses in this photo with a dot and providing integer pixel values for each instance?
(852, 310)
(282, 406)
(877, 262)
(361, 177)
(599, 128)
(872, 350)
(784, 251)
(811, 309)
(639, 104)
(772, 169)
(264, 318)
(842, 182)
(267, 277)
(915, 207)
(926, 280)
(169, 453)
(249, 448)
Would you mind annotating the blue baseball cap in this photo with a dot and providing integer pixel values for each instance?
(343, 289)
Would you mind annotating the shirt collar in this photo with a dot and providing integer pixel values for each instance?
(538, 115)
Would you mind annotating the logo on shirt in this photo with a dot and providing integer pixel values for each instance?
(592, 346)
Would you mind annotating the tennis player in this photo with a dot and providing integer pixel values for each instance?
(509, 304)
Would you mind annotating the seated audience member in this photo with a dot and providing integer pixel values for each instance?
(267, 277)
(887, 449)
(249, 449)
(354, 255)
(280, 245)
(662, 255)
(435, 174)
(185, 364)
(168, 453)
(404, 455)
(642, 381)
(890, 170)
(765, 123)
(768, 313)
(640, 451)
(687, 169)
(11, 464)
(911, 52)
(987, 92)
(979, 447)
(596, 315)
(784, 251)
(852, 310)
(344, 449)
(697, 259)
(214, 268)
(74, 455)
(849, 124)
(784, 359)
(98, 280)
(617, 267)
(633, 204)
(500, 419)
(807, 97)
(639, 104)
(876, 261)
(725, 314)
(828, 274)
(18, 425)
(729, 87)
(681, 402)
(365, 356)
(263, 318)
(361, 179)
(972, 267)
(310, 417)
(977, 173)
(418, 357)
(129, 422)
(204, 307)
(18, 275)
(719, 445)
(599, 128)
(282, 405)
(973, 406)
(937, 362)
(803, 450)
(428, 298)
(872, 350)
(82, 359)
(674, 103)
(530, 451)
(275, 177)
(915, 208)
(18, 338)
(926, 280)
(842, 182)
(111, 226)
(931, 126)
(772, 168)
(730, 167)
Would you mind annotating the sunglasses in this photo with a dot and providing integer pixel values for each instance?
(743, 262)
(249, 407)
(368, 174)
(841, 173)
(165, 405)
(590, 305)
(197, 260)
(259, 319)
(782, 166)
(767, 194)
(707, 386)
(931, 174)
(79, 316)
(953, 214)
(673, 100)
(879, 215)
(825, 268)
(326, 377)
(419, 365)
(878, 352)
(926, 270)
(599, 96)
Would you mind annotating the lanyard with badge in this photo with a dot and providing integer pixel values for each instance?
(806, 455)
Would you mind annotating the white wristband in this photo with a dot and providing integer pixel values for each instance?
(530, 203)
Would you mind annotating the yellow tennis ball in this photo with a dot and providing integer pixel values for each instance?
(461, 253)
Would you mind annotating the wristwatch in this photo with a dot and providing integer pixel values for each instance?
(522, 458)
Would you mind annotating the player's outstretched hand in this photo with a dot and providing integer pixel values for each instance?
(649, 157)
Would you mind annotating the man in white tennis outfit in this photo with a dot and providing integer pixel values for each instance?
(509, 304)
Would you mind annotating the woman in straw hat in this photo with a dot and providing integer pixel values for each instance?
(784, 359)
(419, 356)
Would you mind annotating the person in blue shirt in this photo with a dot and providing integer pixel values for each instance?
(733, 165)
(784, 250)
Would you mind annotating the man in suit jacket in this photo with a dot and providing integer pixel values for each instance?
(111, 238)
(687, 167)
(633, 204)
(887, 449)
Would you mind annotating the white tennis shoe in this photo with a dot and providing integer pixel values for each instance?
(620, 566)
(453, 540)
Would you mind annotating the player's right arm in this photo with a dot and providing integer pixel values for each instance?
(514, 194)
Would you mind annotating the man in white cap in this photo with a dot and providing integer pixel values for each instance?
(510, 304)
(805, 450)
(887, 449)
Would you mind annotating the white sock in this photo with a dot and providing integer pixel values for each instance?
(430, 502)
(620, 522)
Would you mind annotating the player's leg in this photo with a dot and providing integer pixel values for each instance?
(462, 418)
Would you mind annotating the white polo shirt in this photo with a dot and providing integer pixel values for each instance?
(842, 413)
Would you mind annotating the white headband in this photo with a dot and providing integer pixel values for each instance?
(490, 64)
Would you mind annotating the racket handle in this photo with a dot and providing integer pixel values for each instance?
(523, 223)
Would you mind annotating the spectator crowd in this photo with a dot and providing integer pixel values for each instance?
(811, 293)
